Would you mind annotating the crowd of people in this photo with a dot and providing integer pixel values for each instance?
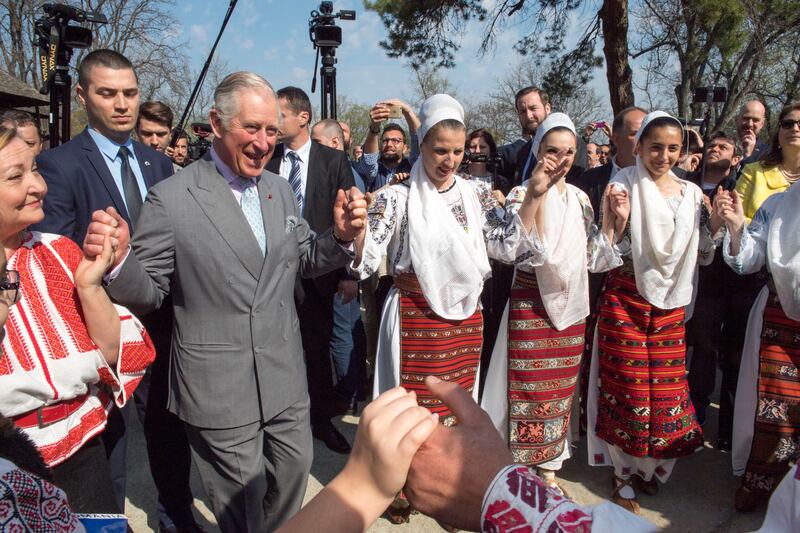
(481, 307)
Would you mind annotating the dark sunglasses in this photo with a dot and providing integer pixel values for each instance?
(788, 123)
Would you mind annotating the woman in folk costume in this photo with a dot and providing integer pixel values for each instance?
(766, 427)
(640, 418)
(438, 232)
(69, 354)
(537, 356)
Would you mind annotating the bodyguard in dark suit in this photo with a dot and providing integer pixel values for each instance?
(315, 172)
(226, 239)
(103, 167)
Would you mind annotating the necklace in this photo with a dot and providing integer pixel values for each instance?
(791, 177)
(448, 189)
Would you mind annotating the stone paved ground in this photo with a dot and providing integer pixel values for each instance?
(697, 499)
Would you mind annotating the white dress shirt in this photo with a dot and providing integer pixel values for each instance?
(286, 164)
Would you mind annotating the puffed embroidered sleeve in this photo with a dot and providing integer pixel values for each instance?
(506, 238)
(381, 222)
(518, 500)
(753, 244)
(601, 255)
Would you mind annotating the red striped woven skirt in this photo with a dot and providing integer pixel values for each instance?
(643, 405)
(433, 346)
(543, 368)
(776, 439)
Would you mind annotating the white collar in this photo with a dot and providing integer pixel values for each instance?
(302, 152)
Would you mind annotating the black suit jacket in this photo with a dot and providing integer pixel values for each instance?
(508, 153)
(79, 183)
(593, 182)
(328, 171)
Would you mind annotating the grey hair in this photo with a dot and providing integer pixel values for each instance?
(226, 102)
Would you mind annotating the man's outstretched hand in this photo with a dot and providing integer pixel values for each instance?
(108, 223)
(453, 468)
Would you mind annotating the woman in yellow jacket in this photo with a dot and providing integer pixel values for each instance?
(777, 170)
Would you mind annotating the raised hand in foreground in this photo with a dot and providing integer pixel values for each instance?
(390, 431)
(452, 470)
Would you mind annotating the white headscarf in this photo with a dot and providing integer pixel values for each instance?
(783, 251)
(435, 109)
(562, 278)
(663, 243)
(450, 264)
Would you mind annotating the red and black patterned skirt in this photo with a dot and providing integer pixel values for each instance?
(643, 405)
(433, 346)
(543, 368)
(776, 439)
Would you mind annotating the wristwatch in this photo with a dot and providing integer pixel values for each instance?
(374, 129)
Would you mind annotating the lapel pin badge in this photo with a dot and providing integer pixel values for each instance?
(147, 163)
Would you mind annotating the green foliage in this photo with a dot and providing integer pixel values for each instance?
(357, 117)
(424, 29)
(426, 32)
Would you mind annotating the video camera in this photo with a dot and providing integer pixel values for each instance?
(321, 28)
(200, 145)
(476, 157)
(57, 39)
(326, 37)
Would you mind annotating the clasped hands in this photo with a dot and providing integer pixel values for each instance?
(109, 234)
(615, 210)
(105, 245)
(349, 214)
(728, 207)
(444, 471)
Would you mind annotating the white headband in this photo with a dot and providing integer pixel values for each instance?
(435, 109)
(650, 117)
(553, 120)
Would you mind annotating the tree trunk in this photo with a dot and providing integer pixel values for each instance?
(614, 16)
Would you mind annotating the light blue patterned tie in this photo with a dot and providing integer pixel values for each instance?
(251, 208)
(295, 178)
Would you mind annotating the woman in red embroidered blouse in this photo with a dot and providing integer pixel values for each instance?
(69, 353)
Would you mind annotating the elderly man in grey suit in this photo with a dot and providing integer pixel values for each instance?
(226, 239)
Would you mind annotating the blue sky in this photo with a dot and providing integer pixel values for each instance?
(271, 38)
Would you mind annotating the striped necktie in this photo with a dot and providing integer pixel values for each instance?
(251, 207)
(295, 178)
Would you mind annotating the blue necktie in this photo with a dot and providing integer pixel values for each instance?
(251, 208)
(295, 179)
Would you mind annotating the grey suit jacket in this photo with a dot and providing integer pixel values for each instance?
(236, 351)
